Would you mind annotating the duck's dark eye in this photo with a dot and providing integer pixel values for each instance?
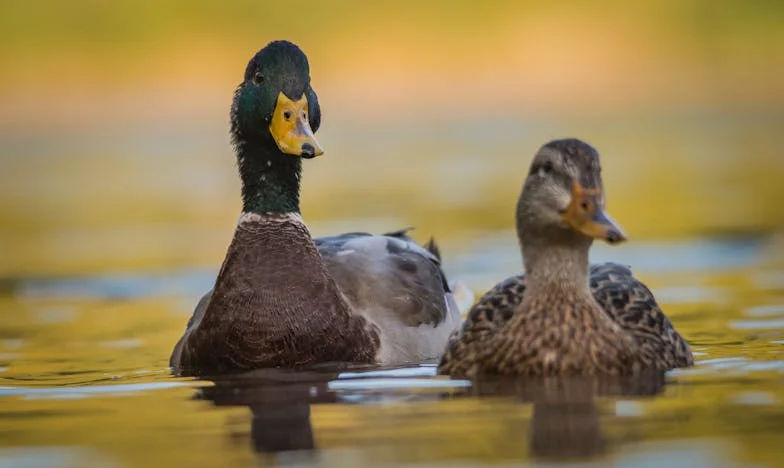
(287, 115)
(546, 168)
(258, 78)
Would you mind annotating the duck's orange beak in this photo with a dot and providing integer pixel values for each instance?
(586, 214)
(290, 128)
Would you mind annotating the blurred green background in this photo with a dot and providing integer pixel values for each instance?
(114, 151)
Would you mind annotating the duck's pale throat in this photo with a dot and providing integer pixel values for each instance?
(559, 267)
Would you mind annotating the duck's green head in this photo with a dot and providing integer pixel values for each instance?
(563, 197)
(275, 102)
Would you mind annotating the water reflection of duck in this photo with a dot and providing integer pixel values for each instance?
(284, 299)
(565, 421)
(560, 317)
(279, 402)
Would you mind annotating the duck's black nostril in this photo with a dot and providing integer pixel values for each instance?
(308, 151)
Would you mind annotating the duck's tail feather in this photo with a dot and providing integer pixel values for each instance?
(432, 247)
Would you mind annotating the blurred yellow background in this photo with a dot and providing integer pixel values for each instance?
(119, 195)
(114, 151)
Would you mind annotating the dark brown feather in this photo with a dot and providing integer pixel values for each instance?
(251, 321)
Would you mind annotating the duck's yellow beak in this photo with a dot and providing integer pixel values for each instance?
(291, 130)
(586, 214)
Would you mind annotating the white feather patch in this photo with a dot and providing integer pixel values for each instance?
(249, 217)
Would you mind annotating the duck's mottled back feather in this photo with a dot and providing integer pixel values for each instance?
(632, 305)
(484, 320)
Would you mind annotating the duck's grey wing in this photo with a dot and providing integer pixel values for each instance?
(399, 287)
(632, 305)
(389, 271)
(489, 315)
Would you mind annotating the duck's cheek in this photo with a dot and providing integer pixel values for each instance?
(586, 215)
(291, 130)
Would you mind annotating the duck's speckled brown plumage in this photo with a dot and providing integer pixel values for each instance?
(612, 325)
(625, 299)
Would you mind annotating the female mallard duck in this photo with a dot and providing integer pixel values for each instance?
(563, 318)
(282, 299)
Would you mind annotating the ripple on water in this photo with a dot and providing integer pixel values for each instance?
(123, 344)
(755, 398)
(185, 282)
(66, 393)
(729, 366)
(690, 294)
(55, 457)
(53, 315)
(374, 384)
(757, 324)
(765, 310)
(770, 279)
(12, 343)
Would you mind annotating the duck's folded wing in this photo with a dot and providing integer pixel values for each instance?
(388, 271)
(399, 287)
(632, 305)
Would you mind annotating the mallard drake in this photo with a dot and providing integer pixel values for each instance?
(283, 299)
(562, 317)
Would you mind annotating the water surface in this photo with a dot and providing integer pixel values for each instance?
(83, 380)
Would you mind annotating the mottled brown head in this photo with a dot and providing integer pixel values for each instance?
(563, 196)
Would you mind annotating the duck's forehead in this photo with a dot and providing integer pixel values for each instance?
(580, 159)
(576, 153)
(280, 60)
